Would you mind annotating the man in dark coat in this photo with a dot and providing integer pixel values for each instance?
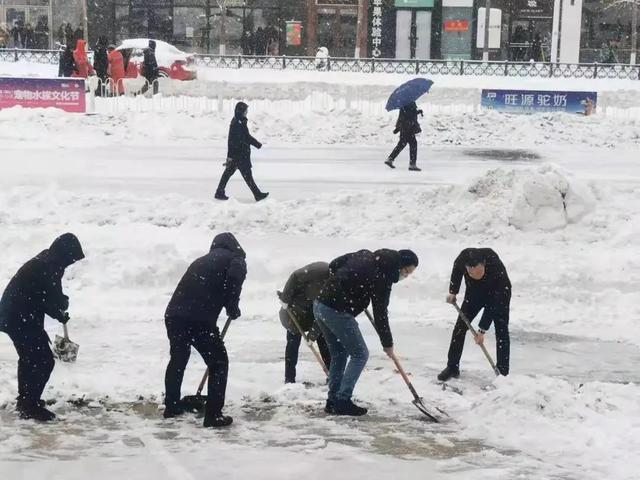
(408, 127)
(101, 63)
(211, 283)
(302, 288)
(355, 280)
(239, 154)
(36, 290)
(487, 287)
(150, 69)
(67, 65)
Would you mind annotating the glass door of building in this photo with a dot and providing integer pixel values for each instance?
(337, 30)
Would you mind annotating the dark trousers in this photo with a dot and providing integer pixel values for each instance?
(246, 173)
(291, 355)
(413, 148)
(207, 341)
(496, 311)
(35, 364)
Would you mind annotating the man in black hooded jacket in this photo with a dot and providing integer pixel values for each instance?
(239, 154)
(211, 283)
(355, 280)
(36, 290)
(150, 69)
(488, 288)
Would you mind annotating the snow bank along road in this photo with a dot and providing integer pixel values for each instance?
(563, 213)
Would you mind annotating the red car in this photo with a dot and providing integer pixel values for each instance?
(172, 63)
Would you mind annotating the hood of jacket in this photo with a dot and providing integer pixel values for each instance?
(241, 110)
(65, 250)
(228, 242)
(81, 46)
(388, 264)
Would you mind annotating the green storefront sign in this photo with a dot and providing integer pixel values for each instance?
(415, 3)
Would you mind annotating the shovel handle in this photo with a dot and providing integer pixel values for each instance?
(475, 334)
(206, 372)
(308, 342)
(65, 331)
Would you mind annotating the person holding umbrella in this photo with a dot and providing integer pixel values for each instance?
(408, 127)
(404, 99)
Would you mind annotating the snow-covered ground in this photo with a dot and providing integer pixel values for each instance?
(555, 195)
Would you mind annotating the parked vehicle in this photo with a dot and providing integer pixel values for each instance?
(172, 63)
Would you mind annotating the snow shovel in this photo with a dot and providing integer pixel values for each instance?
(65, 349)
(475, 334)
(197, 402)
(308, 342)
(417, 400)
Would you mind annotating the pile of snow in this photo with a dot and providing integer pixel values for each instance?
(569, 425)
(538, 198)
(279, 123)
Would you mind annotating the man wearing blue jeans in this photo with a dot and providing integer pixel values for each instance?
(355, 280)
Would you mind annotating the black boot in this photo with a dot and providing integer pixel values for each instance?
(221, 196)
(174, 410)
(217, 421)
(389, 163)
(347, 407)
(261, 196)
(415, 168)
(35, 412)
(330, 407)
(448, 373)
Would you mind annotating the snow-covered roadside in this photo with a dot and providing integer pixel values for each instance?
(276, 123)
(564, 218)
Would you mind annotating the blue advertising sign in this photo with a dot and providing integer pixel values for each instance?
(529, 101)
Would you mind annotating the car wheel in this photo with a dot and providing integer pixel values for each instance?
(163, 74)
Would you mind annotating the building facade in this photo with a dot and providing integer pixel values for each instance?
(38, 24)
(590, 30)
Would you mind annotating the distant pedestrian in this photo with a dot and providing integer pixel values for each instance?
(408, 127)
(322, 58)
(116, 70)
(83, 67)
(150, 69)
(101, 61)
(239, 155)
(67, 66)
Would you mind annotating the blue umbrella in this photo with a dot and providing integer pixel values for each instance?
(408, 92)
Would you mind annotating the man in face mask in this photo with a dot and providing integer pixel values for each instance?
(357, 279)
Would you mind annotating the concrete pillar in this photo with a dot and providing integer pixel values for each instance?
(570, 31)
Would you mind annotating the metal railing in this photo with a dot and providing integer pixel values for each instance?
(374, 65)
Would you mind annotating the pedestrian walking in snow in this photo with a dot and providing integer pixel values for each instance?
(36, 290)
(150, 69)
(116, 70)
(302, 288)
(211, 283)
(408, 127)
(239, 155)
(355, 280)
(487, 287)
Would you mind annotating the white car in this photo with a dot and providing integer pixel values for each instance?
(172, 63)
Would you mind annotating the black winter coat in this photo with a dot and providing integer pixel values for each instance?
(302, 288)
(211, 283)
(407, 123)
(67, 64)
(150, 64)
(240, 140)
(36, 289)
(101, 62)
(495, 286)
(360, 278)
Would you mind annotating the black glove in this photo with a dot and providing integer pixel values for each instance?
(65, 318)
(396, 130)
(259, 146)
(313, 334)
(421, 113)
(234, 313)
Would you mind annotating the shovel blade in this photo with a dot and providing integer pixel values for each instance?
(426, 411)
(194, 403)
(65, 349)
